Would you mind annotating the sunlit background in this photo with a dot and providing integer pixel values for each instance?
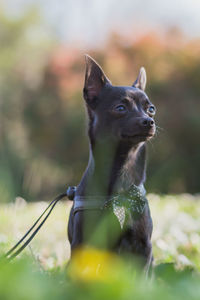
(43, 137)
(44, 145)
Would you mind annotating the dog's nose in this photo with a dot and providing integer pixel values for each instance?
(147, 122)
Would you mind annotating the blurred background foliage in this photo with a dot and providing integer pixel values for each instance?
(44, 146)
(43, 124)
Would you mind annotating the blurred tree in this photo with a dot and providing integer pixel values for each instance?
(22, 58)
(42, 132)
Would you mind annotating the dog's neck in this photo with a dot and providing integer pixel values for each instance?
(113, 167)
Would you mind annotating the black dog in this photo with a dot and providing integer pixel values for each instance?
(110, 209)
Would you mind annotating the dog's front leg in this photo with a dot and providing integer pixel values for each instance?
(77, 231)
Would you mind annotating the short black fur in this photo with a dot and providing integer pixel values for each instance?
(120, 123)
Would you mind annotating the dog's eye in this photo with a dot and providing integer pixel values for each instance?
(151, 110)
(120, 108)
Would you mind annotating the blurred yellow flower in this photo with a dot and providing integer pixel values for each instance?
(93, 264)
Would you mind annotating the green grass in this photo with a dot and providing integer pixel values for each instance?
(40, 272)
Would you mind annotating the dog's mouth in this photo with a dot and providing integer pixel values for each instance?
(142, 137)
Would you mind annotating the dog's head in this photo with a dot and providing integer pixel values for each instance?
(122, 113)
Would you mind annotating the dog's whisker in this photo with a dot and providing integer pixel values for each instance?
(160, 128)
(152, 145)
(157, 133)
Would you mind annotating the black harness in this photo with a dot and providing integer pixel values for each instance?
(132, 201)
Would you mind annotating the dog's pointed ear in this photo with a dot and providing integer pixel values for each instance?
(95, 80)
(141, 80)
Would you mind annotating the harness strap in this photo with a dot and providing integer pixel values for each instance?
(136, 202)
(15, 250)
(83, 203)
(134, 199)
(10, 255)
